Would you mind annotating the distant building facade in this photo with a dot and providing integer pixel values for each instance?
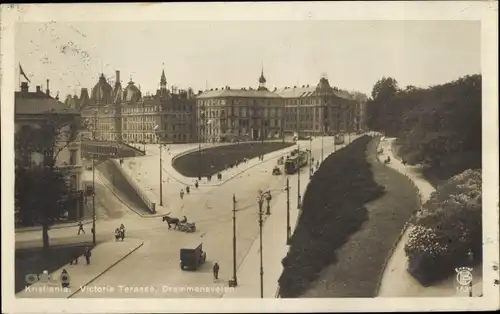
(318, 110)
(227, 114)
(125, 115)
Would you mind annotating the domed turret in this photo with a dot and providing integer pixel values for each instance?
(131, 93)
(102, 91)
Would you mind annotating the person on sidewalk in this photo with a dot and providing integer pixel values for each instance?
(216, 270)
(87, 255)
(196, 184)
(182, 194)
(64, 278)
(187, 189)
(122, 231)
(80, 227)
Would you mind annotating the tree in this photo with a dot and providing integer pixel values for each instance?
(378, 107)
(41, 187)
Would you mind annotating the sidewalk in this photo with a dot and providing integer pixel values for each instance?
(104, 257)
(56, 226)
(396, 281)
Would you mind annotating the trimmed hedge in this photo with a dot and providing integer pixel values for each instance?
(333, 209)
(191, 165)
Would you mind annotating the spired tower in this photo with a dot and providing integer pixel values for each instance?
(262, 81)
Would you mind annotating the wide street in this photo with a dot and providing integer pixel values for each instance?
(156, 264)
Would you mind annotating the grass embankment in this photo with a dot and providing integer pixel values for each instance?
(192, 165)
(348, 226)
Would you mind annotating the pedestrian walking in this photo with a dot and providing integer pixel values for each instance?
(80, 227)
(216, 271)
(182, 194)
(188, 189)
(122, 231)
(64, 278)
(87, 255)
(196, 184)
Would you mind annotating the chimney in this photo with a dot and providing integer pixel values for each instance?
(38, 89)
(47, 91)
(117, 77)
(24, 87)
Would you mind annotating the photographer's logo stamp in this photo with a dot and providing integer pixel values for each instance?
(464, 279)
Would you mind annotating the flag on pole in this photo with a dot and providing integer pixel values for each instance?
(21, 72)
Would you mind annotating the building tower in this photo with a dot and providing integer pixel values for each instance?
(163, 80)
(262, 81)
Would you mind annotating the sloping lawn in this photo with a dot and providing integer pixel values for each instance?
(194, 164)
(348, 225)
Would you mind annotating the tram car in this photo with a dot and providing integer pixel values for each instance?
(296, 161)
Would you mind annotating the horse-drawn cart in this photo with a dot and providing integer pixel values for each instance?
(186, 226)
(181, 225)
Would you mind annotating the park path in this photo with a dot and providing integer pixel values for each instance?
(396, 281)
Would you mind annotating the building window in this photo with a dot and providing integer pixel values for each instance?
(72, 157)
(73, 182)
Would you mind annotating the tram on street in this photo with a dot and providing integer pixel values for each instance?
(295, 162)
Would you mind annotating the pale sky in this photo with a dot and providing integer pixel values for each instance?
(199, 54)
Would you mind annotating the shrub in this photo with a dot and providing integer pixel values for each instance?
(214, 160)
(448, 227)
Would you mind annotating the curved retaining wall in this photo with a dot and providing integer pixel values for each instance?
(113, 172)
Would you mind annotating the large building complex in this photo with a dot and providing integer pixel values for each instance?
(227, 114)
(123, 114)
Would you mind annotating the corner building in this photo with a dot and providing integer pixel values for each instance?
(318, 110)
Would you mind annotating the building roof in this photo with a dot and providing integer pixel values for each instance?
(38, 103)
(251, 93)
(302, 92)
(296, 92)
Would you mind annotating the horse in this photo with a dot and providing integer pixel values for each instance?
(171, 221)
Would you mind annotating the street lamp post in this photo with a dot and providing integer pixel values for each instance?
(156, 130)
(143, 126)
(310, 157)
(161, 177)
(93, 181)
(299, 201)
(235, 279)
(287, 212)
(261, 201)
(93, 200)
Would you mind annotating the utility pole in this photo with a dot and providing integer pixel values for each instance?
(310, 157)
(298, 178)
(234, 242)
(161, 177)
(261, 201)
(93, 182)
(288, 231)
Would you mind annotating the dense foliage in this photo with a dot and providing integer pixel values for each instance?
(41, 186)
(448, 226)
(439, 126)
(214, 160)
(332, 210)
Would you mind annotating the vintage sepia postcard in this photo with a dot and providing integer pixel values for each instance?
(250, 157)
